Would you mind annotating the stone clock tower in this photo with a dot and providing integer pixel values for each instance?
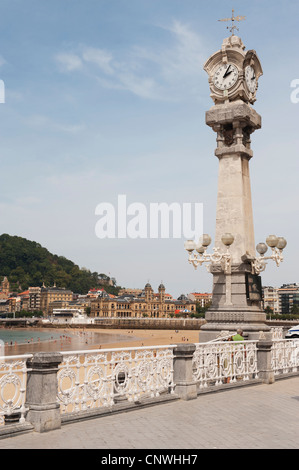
(233, 78)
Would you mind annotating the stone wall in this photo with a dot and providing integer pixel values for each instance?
(138, 324)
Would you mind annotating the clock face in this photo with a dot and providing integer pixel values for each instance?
(225, 76)
(250, 78)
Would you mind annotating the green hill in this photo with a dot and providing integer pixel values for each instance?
(27, 263)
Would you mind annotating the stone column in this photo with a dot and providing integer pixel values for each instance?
(232, 307)
(41, 396)
(185, 387)
(264, 366)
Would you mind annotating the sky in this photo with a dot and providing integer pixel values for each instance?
(108, 97)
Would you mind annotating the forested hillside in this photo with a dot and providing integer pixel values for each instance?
(26, 263)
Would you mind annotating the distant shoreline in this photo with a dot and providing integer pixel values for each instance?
(102, 338)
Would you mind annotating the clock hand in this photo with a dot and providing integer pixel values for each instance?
(227, 72)
(226, 75)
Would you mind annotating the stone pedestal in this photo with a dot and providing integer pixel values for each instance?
(264, 361)
(41, 393)
(185, 387)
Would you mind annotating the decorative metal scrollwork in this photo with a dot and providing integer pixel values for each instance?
(13, 376)
(88, 380)
(214, 364)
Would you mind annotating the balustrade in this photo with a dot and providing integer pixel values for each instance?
(48, 385)
(13, 377)
(285, 356)
(90, 379)
(223, 362)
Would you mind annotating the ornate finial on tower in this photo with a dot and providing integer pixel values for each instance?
(233, 19)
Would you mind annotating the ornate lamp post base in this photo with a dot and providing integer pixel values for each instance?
(237, 300)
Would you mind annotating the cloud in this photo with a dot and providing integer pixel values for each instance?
(158, 73)
(99, 57)
(69, 62)
(184, 58)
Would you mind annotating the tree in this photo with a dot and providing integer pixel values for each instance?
(269, 310)
(295, 309)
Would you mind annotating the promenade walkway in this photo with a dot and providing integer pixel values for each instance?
(253, 417)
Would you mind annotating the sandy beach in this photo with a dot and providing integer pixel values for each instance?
(73, 339)
(137, 338)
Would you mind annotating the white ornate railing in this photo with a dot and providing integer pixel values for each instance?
(13, 376)
(100, 378)
(285, 356)
(92, 379)
(277, 333)
(223, 362)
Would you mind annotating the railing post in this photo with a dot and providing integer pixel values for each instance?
(264, 363)
(185, 387)
(41, 393)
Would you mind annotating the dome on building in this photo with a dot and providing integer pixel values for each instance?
(183, 298)
(148, 286)
(161, 286)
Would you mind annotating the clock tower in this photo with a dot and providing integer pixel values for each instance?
(233, 79)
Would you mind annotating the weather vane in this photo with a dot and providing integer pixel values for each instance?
(233, 19)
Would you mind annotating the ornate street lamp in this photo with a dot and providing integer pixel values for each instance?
(198, 255)
(277, 244)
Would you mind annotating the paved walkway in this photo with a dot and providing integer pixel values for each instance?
(254, 417)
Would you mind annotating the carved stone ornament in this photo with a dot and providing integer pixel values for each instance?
(228, 134)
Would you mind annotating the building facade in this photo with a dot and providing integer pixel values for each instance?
(146, 304)
(271, 298)
(204, 299)
(282, 300)
(50, 295)
(34, 298)
(288, 297)
(4, 289)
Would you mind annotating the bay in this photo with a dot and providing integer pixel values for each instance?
(29, 340)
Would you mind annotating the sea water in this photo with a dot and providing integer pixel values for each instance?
(28, 340)
(25, 336)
